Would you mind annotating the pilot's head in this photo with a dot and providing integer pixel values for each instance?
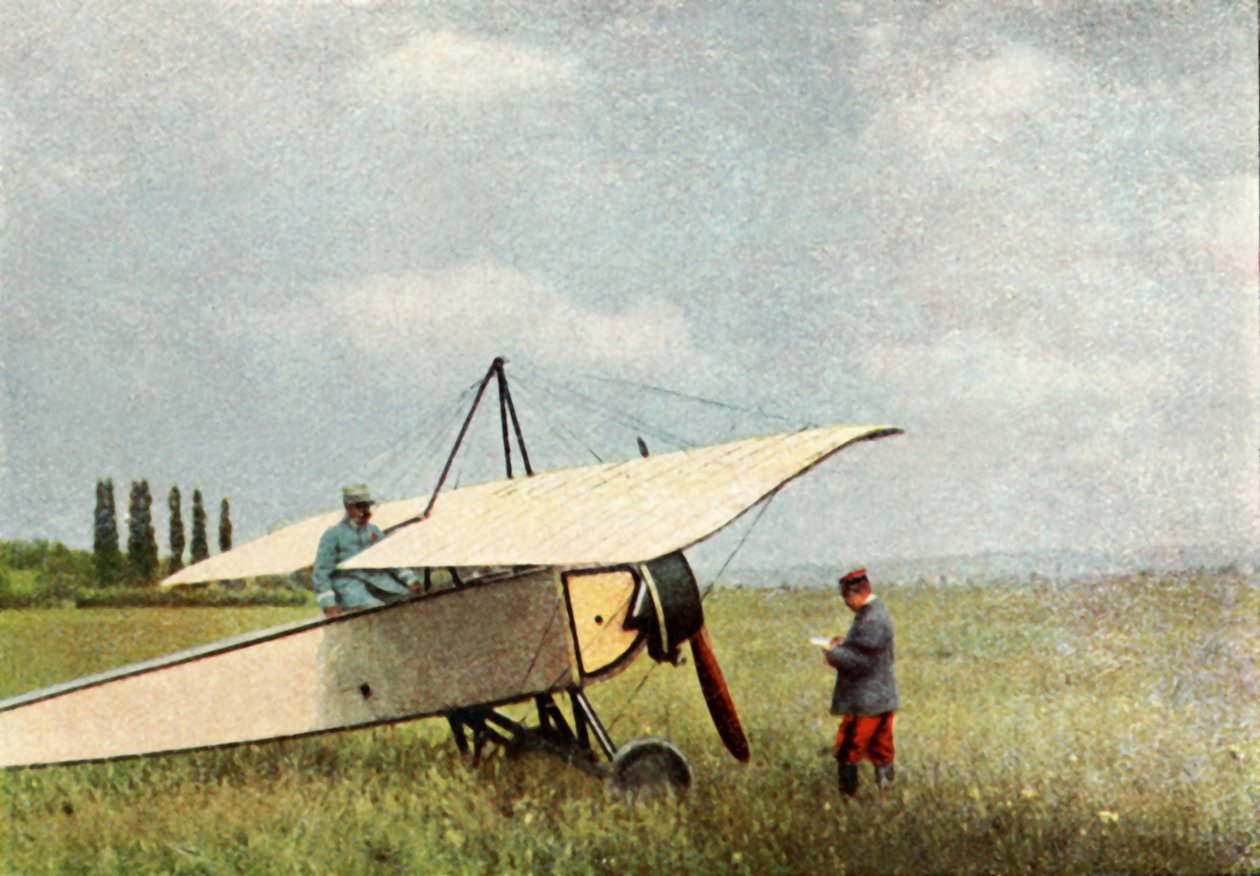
(358, 501)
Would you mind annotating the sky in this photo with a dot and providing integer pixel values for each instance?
(267, 248)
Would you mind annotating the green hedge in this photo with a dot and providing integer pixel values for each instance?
(213, 596)
(47, 574)
(117, 597)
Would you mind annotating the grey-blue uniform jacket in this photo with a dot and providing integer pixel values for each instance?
(349, 589)
(866, 680)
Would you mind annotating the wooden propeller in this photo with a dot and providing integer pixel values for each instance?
(718, 698)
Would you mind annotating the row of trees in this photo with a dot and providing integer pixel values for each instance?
(140, 566)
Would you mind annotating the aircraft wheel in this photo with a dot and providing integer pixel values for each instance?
(649, 768)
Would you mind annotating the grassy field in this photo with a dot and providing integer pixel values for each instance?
(1107, 726)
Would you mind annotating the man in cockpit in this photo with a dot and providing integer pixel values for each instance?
(345, 589)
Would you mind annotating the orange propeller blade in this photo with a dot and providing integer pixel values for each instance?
(718, 698)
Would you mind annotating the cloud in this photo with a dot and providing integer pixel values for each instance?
(1226, 227)
(980, 98)
(446, 65)
(1008, 375)
(484, 310)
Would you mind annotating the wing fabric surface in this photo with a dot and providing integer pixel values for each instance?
(598, 515)
(605, 514)
(285, 550)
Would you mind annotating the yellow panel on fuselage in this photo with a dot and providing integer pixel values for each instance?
(598, 603)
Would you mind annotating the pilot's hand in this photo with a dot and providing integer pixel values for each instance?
(414, 586)
(332, 611)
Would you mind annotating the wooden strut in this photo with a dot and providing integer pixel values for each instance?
(552, 735)
(505, 400)
(584, 716)
(506, 410)
(503, 417)
(552, 728)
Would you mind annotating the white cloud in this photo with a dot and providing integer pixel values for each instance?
(1010, 374)
(1227, 227)
(446, 65)
(488, 310)
(977, 98)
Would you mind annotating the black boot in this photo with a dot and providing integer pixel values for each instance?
(848, 778)
(884, 776)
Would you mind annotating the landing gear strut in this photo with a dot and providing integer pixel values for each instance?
(642, 769)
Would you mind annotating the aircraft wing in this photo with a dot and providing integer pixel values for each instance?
(607, 514)
(285, 550)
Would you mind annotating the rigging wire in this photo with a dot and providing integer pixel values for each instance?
(405, 443)
(388, 462)
(398, 463)
(568, 395)
(566, 392)
(555, 425)
(660, 390)
(394, 466)
(765, 504)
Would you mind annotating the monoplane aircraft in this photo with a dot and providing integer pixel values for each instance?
(552, 581)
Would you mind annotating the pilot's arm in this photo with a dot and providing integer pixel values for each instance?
(321, 575)
(409, 578)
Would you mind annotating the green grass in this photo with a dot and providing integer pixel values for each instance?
(1101, 727)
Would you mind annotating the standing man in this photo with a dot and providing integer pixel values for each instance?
(866, 685)
(342, 589)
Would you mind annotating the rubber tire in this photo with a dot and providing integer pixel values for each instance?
(649, 768)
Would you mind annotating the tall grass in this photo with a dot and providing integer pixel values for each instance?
(1101, 727)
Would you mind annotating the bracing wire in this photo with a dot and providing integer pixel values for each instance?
(438, 443)
(571, 395)
(394, 465)
(625, 704)
(556, 426)
(660, 390)
(566, 393)
(405, 441)
(765, 504)
(388, 461)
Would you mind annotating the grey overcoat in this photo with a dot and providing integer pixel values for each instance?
(866, 679)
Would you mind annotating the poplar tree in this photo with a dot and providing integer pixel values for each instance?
(111, 512)
(106, 559)
(112, 550)
(142, 557)
(225, 527)
(200, 547)
(151, 566)
(133, 529)
(176, 519)
(97, 515)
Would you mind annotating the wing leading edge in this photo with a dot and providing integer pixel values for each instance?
(604, 514)
(607, 514)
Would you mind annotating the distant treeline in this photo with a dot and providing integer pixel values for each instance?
(140, 566)
(47, 574)
(46, 567)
